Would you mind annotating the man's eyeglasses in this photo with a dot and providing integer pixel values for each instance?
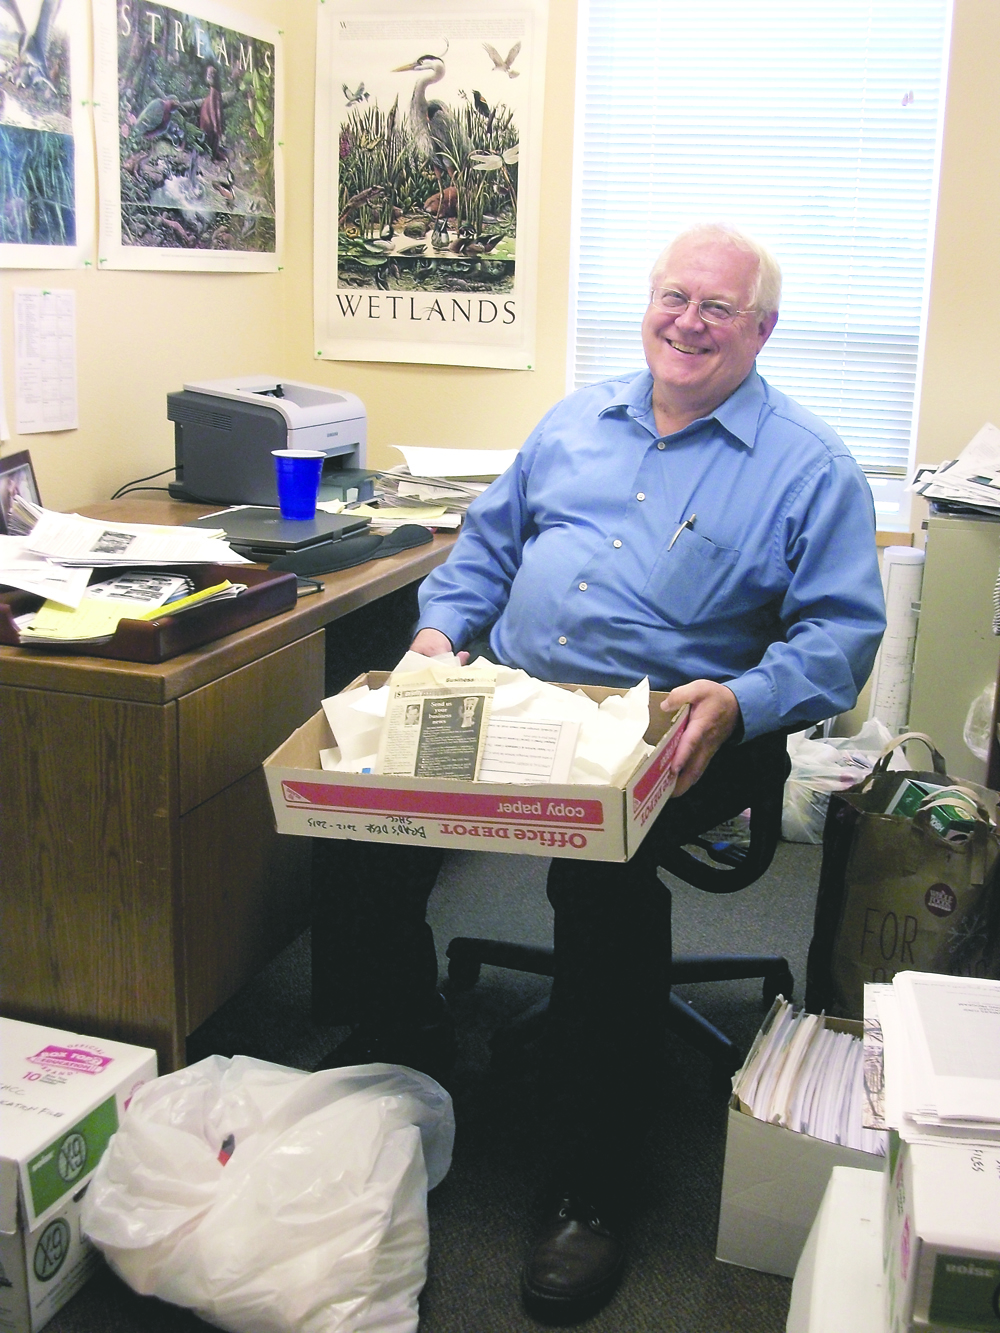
(712, 312)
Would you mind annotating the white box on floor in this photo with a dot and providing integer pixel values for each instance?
(63, 1096)
(838, 1280)
(942, 1237)
(773, 1185)
(591, 823)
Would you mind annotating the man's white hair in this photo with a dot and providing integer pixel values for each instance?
(766, 291)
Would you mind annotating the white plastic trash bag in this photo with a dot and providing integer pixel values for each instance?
(269, 1200)
(822, 766)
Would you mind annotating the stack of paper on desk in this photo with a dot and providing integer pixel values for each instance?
(57, 557)
(442, 481)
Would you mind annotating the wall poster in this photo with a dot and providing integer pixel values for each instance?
(428, 163)
(187, 115)
(46, 143)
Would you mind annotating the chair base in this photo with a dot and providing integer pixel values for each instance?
(466, 957)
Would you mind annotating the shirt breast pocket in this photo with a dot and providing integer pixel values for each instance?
(693, 581)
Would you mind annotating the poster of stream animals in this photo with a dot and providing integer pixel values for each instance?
(189, 161)
(46, 155)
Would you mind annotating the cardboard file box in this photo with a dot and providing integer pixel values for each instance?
(587, 822)
(773, 1184)
(62, 1097)
(942, 1237)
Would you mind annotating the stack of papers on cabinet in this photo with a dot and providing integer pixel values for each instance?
(941, 1049)
(970, 482)
(808, 1078)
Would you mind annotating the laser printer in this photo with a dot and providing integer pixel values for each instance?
(224, 431)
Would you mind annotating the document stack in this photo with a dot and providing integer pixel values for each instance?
(808, 1078)
(967, 484)
(941, 1042)
(434, 486)
(56, 556)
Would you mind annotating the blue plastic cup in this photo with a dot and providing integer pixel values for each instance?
(298, 472)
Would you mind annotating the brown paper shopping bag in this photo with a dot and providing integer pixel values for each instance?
(895, 894)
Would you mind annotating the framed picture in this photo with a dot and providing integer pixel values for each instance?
(17, 477)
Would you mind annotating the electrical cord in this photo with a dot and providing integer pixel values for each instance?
(136, 480)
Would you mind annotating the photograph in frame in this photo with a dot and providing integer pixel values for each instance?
(17, 477)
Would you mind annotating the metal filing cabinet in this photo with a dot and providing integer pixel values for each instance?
(956, 651)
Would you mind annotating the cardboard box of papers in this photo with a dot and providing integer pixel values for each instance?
(942, 1251)
(773, 1184)
(63, 1098)
(590, 822)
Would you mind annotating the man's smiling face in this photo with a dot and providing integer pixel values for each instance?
(697, 365)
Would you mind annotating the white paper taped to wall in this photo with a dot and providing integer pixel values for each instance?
(892, 676)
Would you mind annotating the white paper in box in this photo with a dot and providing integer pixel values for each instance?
(589, 822)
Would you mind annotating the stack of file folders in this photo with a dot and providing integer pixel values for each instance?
(434, 486)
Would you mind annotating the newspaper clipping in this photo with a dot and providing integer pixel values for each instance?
(435, 725)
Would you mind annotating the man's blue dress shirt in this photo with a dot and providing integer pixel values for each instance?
(578, 559)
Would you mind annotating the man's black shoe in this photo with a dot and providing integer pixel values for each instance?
(429, 1047)
(574, 1265)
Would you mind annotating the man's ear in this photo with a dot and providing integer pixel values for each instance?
(765, 327)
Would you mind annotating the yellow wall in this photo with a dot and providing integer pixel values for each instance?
(142, 335)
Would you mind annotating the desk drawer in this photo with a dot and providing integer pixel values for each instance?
(228, 727)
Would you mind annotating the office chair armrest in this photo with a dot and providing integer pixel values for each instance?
(765, 831)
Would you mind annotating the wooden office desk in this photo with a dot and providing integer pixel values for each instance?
(141, 880)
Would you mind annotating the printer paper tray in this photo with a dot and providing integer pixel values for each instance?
(267, 594)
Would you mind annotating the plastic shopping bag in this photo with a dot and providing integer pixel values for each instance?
(270, 1200)
(820, 767)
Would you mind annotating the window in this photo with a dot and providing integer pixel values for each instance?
(814, 126)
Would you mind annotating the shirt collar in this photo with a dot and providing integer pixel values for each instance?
(738, 415)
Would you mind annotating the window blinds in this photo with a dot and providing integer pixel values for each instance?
(813, 126)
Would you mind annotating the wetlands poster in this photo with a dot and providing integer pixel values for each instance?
(187, 115)
(46, 144)
(428, 147)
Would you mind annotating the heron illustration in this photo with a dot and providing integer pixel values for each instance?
(438, 138)
(31, 68)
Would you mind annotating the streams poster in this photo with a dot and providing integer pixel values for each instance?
(46, 144)
(187, 116)
(428, 145)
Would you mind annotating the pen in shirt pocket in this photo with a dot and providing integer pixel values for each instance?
(688, 523)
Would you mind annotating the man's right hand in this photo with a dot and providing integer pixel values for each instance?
(432, 643)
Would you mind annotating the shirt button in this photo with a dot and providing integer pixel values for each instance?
(583, 587)
(562, 638)
(641, 495)
(660, 444)
(616, 543)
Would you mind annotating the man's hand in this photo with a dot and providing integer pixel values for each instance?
(432, 643)
(713, 715)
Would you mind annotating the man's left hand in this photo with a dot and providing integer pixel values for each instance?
(713, 715)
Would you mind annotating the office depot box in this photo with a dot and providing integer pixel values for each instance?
(62, 1098)
(773, 1184)
(589, 822)
(942, 1237)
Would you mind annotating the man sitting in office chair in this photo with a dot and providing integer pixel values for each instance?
(694, 525)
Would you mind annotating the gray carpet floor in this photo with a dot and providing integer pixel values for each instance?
(481, 1216)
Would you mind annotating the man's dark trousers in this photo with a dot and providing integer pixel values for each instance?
(604, 1033)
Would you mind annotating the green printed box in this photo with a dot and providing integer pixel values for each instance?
(62, 1096)
(941, 1240)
